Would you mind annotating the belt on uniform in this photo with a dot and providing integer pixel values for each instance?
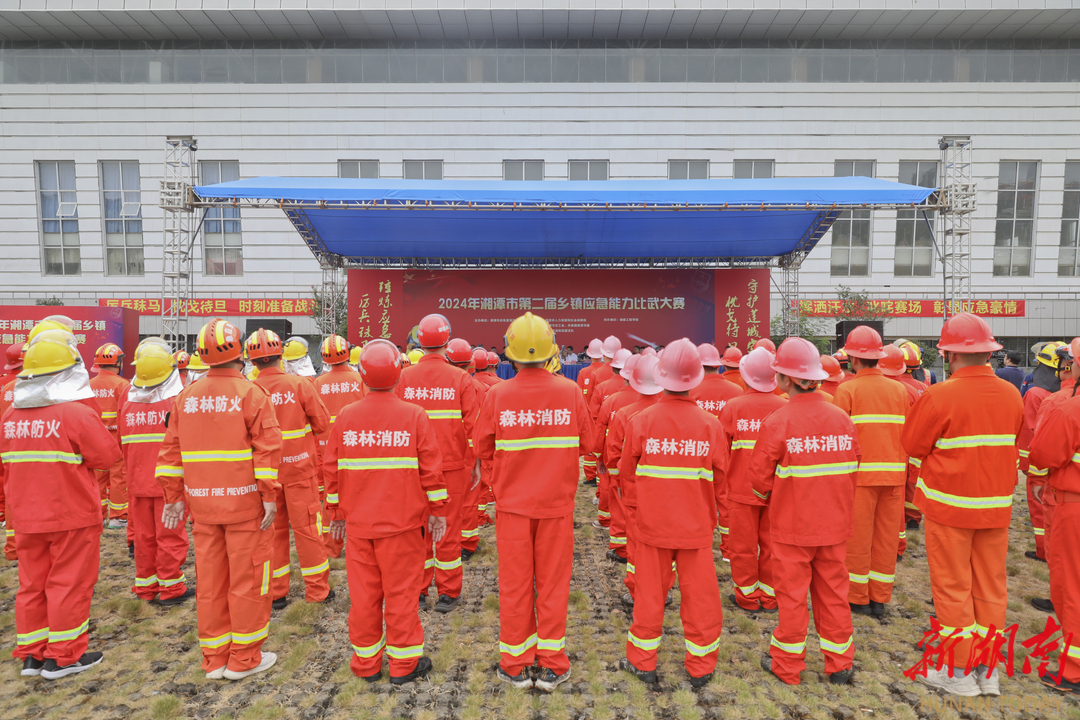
(1062, 496)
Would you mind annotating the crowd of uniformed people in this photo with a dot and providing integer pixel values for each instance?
(808, 468)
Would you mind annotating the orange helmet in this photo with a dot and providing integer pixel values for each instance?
(767, 344)
(380, 364)
(263, 344)
(219, 342)
(731, 357)
(798, 358)
(912, 354)
(832, 366)
(15, 355)
(710, 356)
(335, 350)
(459, 352)
(182, 359)
(864, 342)
(893, 363)
(841, 356)
(967, 333)
(108, 355)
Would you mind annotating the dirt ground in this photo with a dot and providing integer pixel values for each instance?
(151, 667)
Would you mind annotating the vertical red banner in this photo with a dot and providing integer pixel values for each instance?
(376, 306)
(742, 307)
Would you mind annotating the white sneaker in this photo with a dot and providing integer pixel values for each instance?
(988, 685)
(115, 524)
(218, 674)
(958, 684)
(268, 660)
(595, 500)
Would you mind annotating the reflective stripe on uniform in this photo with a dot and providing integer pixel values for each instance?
(882, 467)
(882, 577)
(42, 456)
(248, 638)
(794, 648)
(766, 589)
(759, 495)
(170, 583)
(108, 416)
(630, 569)
(702, 650)
(552, 645)
(266, 578)
(911, 506)
(602, 514)
(429, 563)
(968, 631)
(215, 642)
(266, 474)
(146, 582)
(617, 540)
(537, 443)
(72, 634)
(967, 503)
(1074, 652)
(142, 438)
(1039, 530)
(807, 471)
(332, 498)
(295, 434)
(517, 650)
(668, 472)
(444, 414)
(452, 565)
(915, 462)
(169, 471)
(216, 455)
(743, 444)
(903, 534)
(644, 644)
(390, 463)
(117, 506)
(877, 419)
(859, 579)
(838, 648)
(1038, 472)
(320, 568)
(281, 571)
(613, 471)
(404, 653)
(470, 533)
(370, 650)
(1024, 453)
(748, 589)
(973, 441)
(32, 637)
(432, 495)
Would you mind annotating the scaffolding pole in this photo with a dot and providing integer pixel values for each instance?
(332, 294)
(958, 202)
(176, 199)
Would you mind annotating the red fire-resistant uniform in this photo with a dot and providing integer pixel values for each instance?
(536, 420)
(590, 378)
(48, 455)
(470, 504)
(487, 498)
(804, 465)
(1056, 447)
(383, 475)
(623, 485)
(337, 388)
(1033, 400)
(914, 390)
(448, 396)
(911, 511)
(1065, 393)
(733, 375)
(877, 406)
(221, 453)
(301, 416)
(965, 432)
(676, 453)
(159, 552)
(750, 542)
(110, 390)
(610, 511)
(711, 395)
(7, 398)
(595, 400)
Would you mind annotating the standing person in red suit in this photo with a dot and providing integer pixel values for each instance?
(460, 355)
(892, 366)
(596, 401)
(836, 375)
(611, 513)
(110, 388)
(15, 355)
(1044, 383)
(598, 372)
(730, 361)
(486, 364)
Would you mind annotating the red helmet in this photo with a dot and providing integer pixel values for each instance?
(841, 356)
(832, 366)
(893, 363)
(619, 360)
(108, 354)
(493, 359)
(710, 356)
(767, 344)
(433, 332)
(219, 342)
(335, 350)
(642, 379)
(798, 358)
(731, 357)
(595, 349)
(628, 366)
(380, 364)
(15, 355)
(182, 359)
(649, 351)
(263, 344)
(480, 358)
(864, 342)
(756, 370)
(459, 352)
(680, 368)
(967, 333)
(611, 346)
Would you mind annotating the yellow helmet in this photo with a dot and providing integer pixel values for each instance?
(554, 365)
(415, 355)
(57, 334)
(912, 353)
(152, 341)
(153, 365)
(529, 339)
(197, 364)
(295, 348)
(354, 355)
(48, 356)
(1047, 354)
(46, 325)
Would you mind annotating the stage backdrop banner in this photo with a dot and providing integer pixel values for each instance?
(640, 307)
(94, 326)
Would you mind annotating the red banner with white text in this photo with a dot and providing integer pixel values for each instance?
(94, 326)
(212, 307)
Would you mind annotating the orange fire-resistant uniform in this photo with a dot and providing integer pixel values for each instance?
(7, 398)
(914, 390)
(337, 388)
(804, 465)
(159, 552)
(110, 390)
(384, 477)
(877, 406)
(534, 428)
(733, 375)
(302, 417)
(676, 453)
(750, 541)
(965, 432)
(49, 455)
(1065, 393)
(595, 400)
(623, 485)
(470, 505)
(711, 395)
(591, 377)
(1033, 400)
(486, 503)
(448, 396)
(1056, 447)
(610, 511)
(220, 455)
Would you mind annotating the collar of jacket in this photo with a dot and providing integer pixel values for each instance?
(669, 398)
(973, 371)
(340, 368)
(806, 397)
(270, 370)
(432, 357)
(532, 372)
(868, 371)
(223, 372)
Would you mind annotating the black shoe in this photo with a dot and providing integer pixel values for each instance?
(766, 665)
(589, 483)
(912, 525)
(735, 602)
(520, 681)
(646, 676)
(1032, 555)
(857, 609)
(52, 671)
(668, 600)
(877, 609)
(1065, 687)
(548, 680)
(280, 603)
(899, 558)
(1042, 605)
(617, 557)
(423, 601)
(31, 667)
(446, 603)
(179, 599)
(627, 600)
(131, 549)
(466, 554)
(842, 677)
(373, 678)
(329, 596)
(423, 667)
(697, 682)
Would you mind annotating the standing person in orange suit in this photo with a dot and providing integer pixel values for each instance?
(448, 396)
(220, 461)
(965, 431)
(486, 364)
(160, 552)
(597, 373)
(110, 388)
(845, 364)
(913, 364)
(750, 542)
(385, 490)
(301, 417)
(730, 361)
(182, 360)
(836, 376)
(1044, 383)
(803, 467)
(535, 420)
(892, 366)
(877, 406)
(337, 387)
(460, 355)
(596, 400)
(677, 454)
(15, 355)
(50, 445)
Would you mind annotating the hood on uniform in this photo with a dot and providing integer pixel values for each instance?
(1045, 377)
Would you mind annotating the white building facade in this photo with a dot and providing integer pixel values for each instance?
(531, 89)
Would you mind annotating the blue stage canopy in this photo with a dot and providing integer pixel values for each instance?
(558, 222)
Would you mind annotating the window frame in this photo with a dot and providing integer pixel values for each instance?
(524, 164)
(74, 217)
(754, 169)
(424, 166)
(589, 169)
(846, 219)
(122, 219)
(1070, 194)
(1012, 247)
(222, 219)
(688, 163)
(359, 167)
(915, 218)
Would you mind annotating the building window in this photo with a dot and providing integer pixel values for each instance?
(422, 169)
(59, 217)
(523, 169)
(366, 169)
(688, 170)
(851, 231)
(914, 243)
(750, 169)
(122, 212)
(587, 170)
(1070, 223)
(1015, 218)
(221, 229)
